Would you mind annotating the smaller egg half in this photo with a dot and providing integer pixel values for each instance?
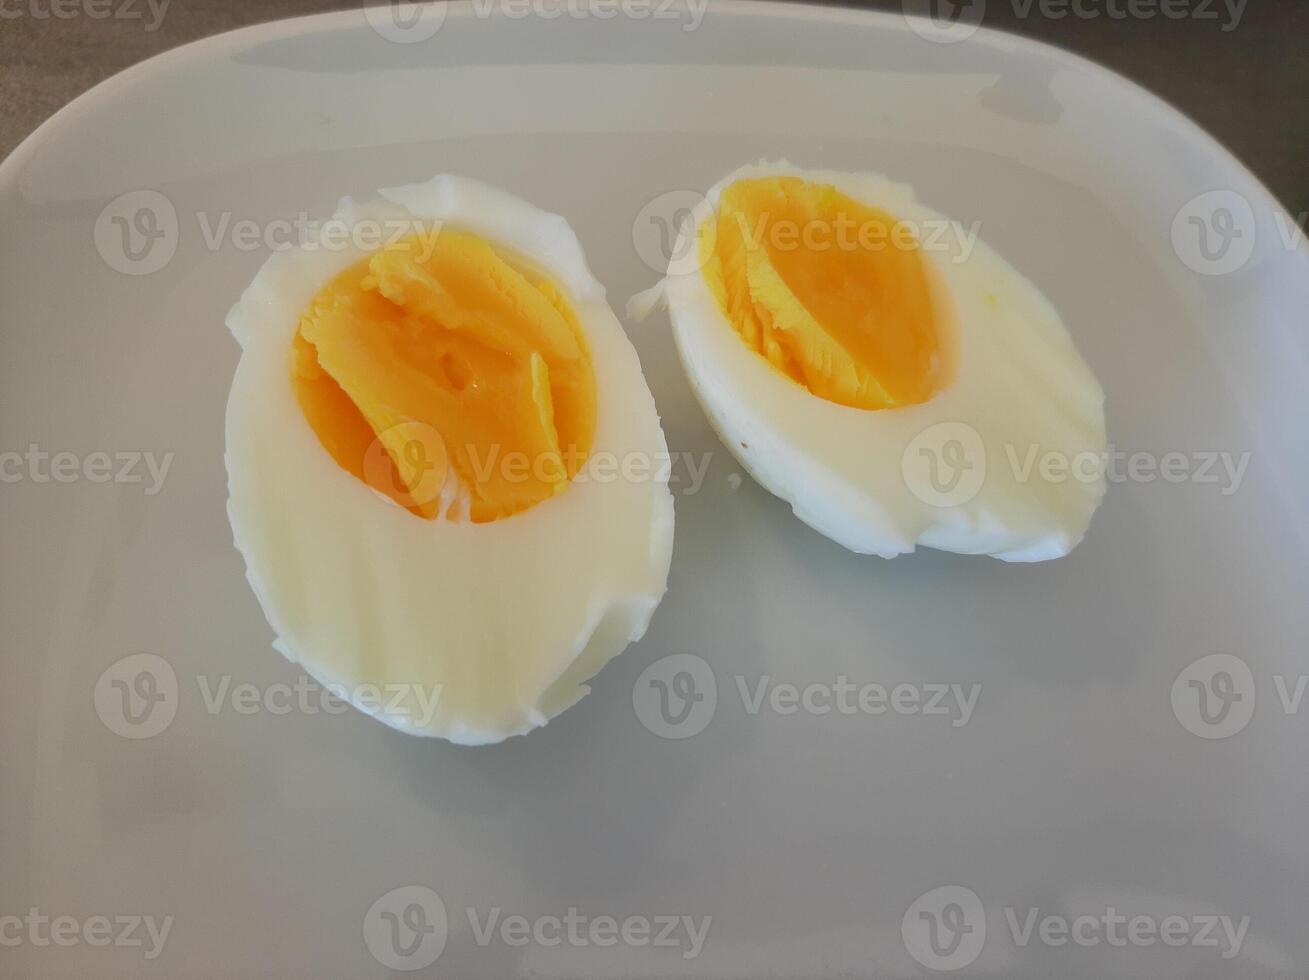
(883, 371)
(446, 472)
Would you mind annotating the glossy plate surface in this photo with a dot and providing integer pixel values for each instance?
(1117, 734)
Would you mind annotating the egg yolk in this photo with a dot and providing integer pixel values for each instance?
(832, 292)
(435, 354)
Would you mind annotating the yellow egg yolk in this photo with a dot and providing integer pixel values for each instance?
(832, 292)
(435, 353)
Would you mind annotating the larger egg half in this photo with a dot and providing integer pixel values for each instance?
(446, 472)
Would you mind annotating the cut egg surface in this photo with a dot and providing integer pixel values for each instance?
(881, 369)
(430, 438)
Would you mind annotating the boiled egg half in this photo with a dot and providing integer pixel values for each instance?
(882, 370)
(446, 473)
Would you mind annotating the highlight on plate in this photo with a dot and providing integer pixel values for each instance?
(873, 365)
(408, 439)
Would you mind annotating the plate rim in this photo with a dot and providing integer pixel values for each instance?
(352, 18)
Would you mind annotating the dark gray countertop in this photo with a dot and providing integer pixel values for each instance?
(1238, 67)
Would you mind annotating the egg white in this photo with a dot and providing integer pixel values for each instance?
(1018, 384)
(500, 623)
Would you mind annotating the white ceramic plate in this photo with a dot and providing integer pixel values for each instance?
(1105, 769)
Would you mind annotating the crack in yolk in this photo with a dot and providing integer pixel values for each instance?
(435, 352)
(833, 293)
